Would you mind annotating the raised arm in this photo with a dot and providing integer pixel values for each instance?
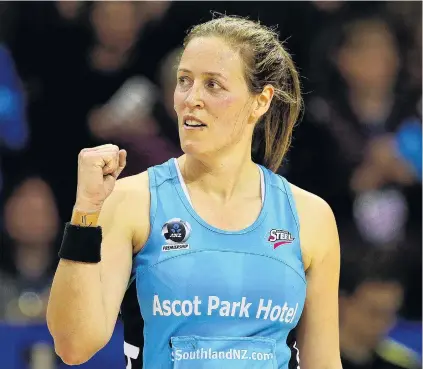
(86, 296)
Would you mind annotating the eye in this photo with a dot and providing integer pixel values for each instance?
(183, 81)
(214, 85)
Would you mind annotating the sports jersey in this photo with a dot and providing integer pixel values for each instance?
(202, 297)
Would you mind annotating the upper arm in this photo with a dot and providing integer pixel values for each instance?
(318, 330)
(124, 218)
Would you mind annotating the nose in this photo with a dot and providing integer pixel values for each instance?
(194, 97)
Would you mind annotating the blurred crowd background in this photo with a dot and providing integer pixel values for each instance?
(79, 74)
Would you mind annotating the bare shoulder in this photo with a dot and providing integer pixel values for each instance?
(128, 207)
(318, 230)
(308, 202)
(136, 184)
(128, 192)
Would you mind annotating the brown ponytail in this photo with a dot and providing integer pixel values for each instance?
(266, 62)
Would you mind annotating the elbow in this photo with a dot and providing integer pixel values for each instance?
(77, 345)
(71, 354)
(71, 358)
(76, 348)
(76, 353)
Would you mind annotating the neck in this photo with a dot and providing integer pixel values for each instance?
(353, 348)
(220, 177)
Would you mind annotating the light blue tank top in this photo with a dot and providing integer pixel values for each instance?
(201, 297)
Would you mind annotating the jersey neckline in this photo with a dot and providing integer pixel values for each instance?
(181, 188)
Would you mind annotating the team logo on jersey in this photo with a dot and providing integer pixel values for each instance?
(176, 232)
(280, 237)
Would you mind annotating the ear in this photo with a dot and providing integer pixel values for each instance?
(262, 102)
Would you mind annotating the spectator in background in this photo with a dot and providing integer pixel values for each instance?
(371, 294)
(141, 117)
(69, 10)
(31, 225)
(75, 58)
(116, 26)
(357, 125)
(128, 119)
(128, 116)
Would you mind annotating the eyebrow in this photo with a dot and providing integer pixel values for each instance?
(212, 74)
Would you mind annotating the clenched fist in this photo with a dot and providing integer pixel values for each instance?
(98, 169)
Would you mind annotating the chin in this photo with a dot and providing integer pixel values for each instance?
(194, 148)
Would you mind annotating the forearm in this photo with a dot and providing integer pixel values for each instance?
(76, 313)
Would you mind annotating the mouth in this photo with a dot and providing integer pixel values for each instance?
(190, 123)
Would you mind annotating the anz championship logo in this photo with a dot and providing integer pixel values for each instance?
(176, 232)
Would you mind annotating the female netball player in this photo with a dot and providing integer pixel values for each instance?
(212, 260)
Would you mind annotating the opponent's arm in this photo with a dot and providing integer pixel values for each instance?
(318, 330)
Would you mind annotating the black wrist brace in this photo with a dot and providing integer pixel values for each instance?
(81, 244)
